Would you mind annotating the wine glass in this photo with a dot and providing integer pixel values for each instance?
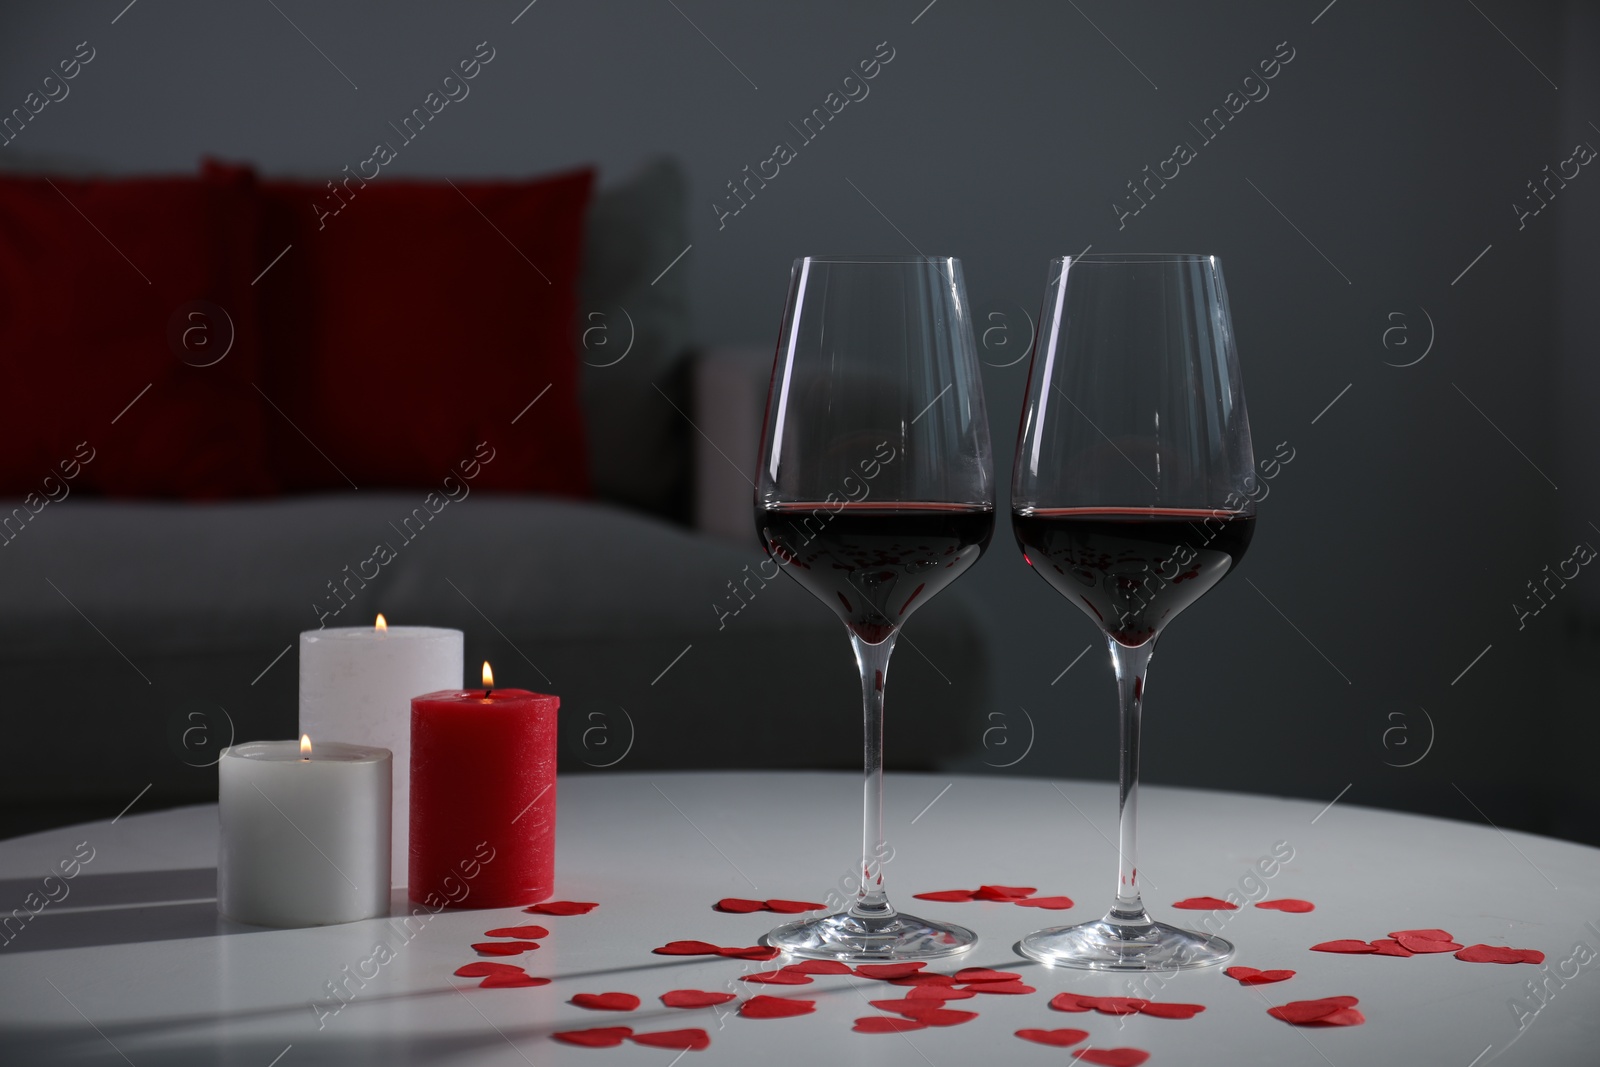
(1133, 495)
(876, 491)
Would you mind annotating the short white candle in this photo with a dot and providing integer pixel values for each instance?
(305, 835)
(358, 681)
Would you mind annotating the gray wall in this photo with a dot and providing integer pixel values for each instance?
(1396, 141)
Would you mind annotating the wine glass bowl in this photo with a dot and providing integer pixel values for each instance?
(1132, 497)
(875, 493)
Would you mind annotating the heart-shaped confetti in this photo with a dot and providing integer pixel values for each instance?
(1169, 1010)
(1111, 1057)
(985, 974)
(1426, 944)
(485, 969)
(687, 948)
(605, 1001)
(1347, 945)
(511, 981)
(1054, 1038)
(504, 948)
(1251, 976)
(1002, 988)
(1204, 904)
(924, 980)
(739, 905)
(944, 1017)
(759, 953)
(597, 1037)
(691, 1039)
(694, 998)
(778, 977)
(887, 971)
(886, 1024)
(1003, 893)
(950, 896)
(1118, 1005)
(1430, 934)
(818, 967)
(1329, 1011)
(762, 1007)
(562, 907)
(1048, 903)
(1288, 904)
(940, 992)
(1388, 946)
(531, 933)
(1499, 954)
(1071, 1002)
(793, 907)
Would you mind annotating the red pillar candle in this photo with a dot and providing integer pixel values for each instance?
(483, 773)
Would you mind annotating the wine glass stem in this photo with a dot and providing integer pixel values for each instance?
(871, 900)
(1130, 665)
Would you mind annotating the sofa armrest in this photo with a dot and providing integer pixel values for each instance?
(728, 388)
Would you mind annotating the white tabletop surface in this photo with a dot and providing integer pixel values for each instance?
(134, 965)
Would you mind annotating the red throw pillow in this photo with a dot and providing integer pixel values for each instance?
(129, 334)
(419, 320)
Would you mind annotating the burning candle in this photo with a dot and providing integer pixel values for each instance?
(304, 835)
(483, 770)
(358, 682)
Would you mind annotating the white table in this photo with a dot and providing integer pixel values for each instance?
(135, 966)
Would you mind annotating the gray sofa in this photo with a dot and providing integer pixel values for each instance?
(137, 638)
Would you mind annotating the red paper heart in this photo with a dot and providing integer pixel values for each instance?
(1342, 1017)
(944, 1017)
(1499, 954)
(1388, 946)
(984, 974)
(1289, 904)
(1112, 1057)
(1301, 1012)
(1427, 944)
(940, 992)
(529, 932)
(691, 1039)
(886, 1024)
(1054, 1038)
(739, 905)
(1002, 988)
(904, 1006)
(793, 907)
(1003, 892)
(687, 948)
(1048, 903)
(562, 907)
(953, 896)
(1347, 945)
(504, 948)
(694, 998)
(818, 967)
(758, 953)
(762, 1007)
(597, 1037)
(888, 971)
(1205, 904)
(778, 977)
(605, 1001)
(1430, 934)
(927, 979)
(511, 981)
(1168, 1010)
(1251, 976)
(1072, 1002)
(1118, 1005)
(485, 969)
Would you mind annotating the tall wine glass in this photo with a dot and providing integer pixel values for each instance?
(1133, 496)
(876, 492)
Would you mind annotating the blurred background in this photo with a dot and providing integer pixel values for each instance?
(1413, 295)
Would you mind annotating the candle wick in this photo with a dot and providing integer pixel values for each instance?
(486, 693)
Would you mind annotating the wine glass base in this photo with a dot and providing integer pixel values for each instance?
(854, 939)
(1102, 945)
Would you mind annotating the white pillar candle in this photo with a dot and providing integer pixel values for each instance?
(305, 835)
(358, 681)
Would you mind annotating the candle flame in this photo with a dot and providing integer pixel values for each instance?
(382, 625)
(305, 744)
(488, 675)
